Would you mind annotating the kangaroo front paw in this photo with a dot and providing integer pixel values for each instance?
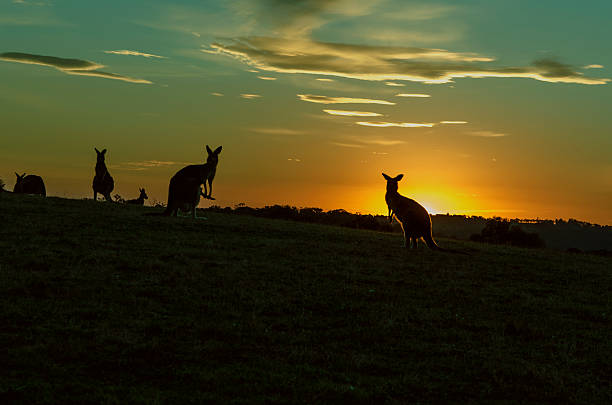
(210, 198)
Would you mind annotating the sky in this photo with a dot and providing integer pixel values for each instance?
(488, 107)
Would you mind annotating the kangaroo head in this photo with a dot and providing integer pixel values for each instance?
(392, 181)
(213, 156)
(143, 194)
(18, 184)
(20, 178)
(100, 155)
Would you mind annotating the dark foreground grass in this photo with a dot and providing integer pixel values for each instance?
(100, 304)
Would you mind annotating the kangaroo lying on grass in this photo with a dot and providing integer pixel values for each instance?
(184, 190)
(103, 183)
(411, 215)
(30, 184)
(140, 200)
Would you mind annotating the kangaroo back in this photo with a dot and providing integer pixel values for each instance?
(411, 215)
(103, 183)
(184, 190)
(30, 184)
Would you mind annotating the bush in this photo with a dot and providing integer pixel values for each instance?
(503, 232)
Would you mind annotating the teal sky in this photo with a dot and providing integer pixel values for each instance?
(487, 107)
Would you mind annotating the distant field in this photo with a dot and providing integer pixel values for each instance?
(100, 304)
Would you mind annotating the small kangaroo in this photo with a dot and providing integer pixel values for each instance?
(184, 190)
(140, 200)
(411, 215)
(103, 183)
(30, 184)
(186, 208)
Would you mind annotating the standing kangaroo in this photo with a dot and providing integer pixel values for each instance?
(184, 190)
(411, 215)
(140, 200)
(30, 184)
(103, 183)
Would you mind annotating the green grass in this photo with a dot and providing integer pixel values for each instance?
(100, 304)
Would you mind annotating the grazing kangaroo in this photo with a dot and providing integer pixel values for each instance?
(30, 184)
(184, 190)
(140, 200)
(411, 215)
(103, 183)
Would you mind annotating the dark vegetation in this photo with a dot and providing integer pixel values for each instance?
(503, 232)
(101, 304)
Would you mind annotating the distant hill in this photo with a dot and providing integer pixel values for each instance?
(558, 234)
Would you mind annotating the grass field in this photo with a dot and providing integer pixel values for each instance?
(101, 304)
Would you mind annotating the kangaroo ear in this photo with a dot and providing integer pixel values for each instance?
(386, 177)
(209, 150)
(96, 149)
(218, 150)
(399, 177)
(17, 174)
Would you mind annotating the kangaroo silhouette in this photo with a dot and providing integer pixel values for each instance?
(411, 215)
(184, 190)
(140, 200)
(103, 183)
(185, 208)
(30, 184)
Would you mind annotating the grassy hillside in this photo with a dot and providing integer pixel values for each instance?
(100, 304)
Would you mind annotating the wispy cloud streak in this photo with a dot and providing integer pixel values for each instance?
(396, 124)
(135, 53)
(69, 66)
(386, 63)
(353, 113)
(340, 100)
(487, 134)
(413, 95)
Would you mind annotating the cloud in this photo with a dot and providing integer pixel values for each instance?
(353, 113)
(394, 84)
(340, 100)
(69, 66)
(31, 3)
(396, 124)
(250, 96)
(347, 145)
(413, 95)
(298, 18)
(385, 63)
(217, 94)
(135, 53)
(594, 67)
(277, 131)
(383, 142)
(266, 78)
(453, 122)
(145, 165)
(487, 134)
(321, 79)
(294, 160)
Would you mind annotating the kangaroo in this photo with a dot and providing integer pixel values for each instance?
(30, 184)
(103, 183)
(184, 190)
(185, 208)
(140, 200)
(411, 215)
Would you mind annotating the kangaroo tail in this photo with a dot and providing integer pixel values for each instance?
(431, 243)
